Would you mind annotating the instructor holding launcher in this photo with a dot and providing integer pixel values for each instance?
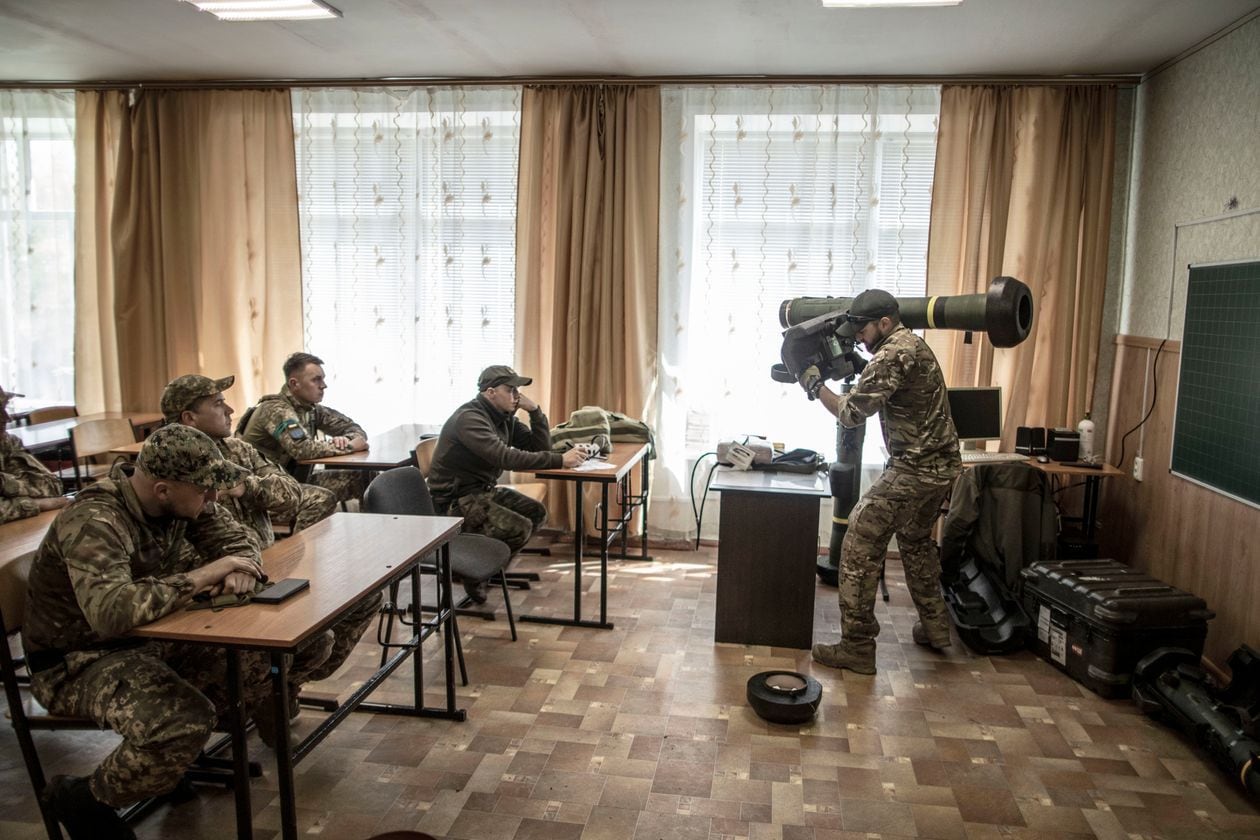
(903, 383)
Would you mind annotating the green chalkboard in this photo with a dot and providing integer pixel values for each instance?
(1216, 433)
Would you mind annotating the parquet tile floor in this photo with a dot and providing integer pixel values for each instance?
(642, 732)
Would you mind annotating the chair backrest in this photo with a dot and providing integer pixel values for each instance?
(98, 437)
(52, 412)
(401, 491)
(424, 454)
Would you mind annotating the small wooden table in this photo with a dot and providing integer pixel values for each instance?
(1092, 490)
(393, 448)
(46, 437)
(346, 557)
(24, 535)
(614, 471)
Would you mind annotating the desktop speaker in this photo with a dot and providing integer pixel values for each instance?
(1064, 445)
(1030, 440)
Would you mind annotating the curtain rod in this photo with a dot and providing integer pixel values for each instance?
(453, 81)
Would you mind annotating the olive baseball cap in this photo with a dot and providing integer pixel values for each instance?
(870, 305)
(183, 391)
(497, 375)
(181, 453)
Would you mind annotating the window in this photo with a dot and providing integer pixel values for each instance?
(770, 194)
(37, 244)
(408, 224)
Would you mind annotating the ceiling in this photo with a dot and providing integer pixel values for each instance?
(155, 40)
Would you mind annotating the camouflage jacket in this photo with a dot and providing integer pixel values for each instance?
(269, 491)
(287, 430)
(479, 442)
(904, 384)
(22, 480)
(105, 567)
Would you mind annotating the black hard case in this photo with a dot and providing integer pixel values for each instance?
(1094, 619)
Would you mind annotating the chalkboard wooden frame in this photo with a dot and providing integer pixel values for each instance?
(1216, 423)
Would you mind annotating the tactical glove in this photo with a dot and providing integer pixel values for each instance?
(811, 380)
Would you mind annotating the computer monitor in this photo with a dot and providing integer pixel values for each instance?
(977, 412)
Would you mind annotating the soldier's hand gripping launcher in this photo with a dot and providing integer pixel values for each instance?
(812, 335)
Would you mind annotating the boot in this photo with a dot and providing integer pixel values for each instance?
(841, 656)
(922, 637)
(265, 721)
(69, 799)
(475, 589)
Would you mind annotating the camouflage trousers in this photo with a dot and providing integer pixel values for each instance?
(163, 698)
(907, 505)
(320, 656)
(502, 513)
(346, 485)
(316, 503)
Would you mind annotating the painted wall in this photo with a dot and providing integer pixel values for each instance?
(1196, 150)
(1195, 172)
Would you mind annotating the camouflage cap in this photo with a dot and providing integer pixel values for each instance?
(185, 390)
(870, 305)
(496, 375)
(181, 453)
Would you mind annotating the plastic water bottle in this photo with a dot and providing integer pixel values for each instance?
(1085, 429)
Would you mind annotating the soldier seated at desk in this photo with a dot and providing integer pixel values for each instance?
(27, 488)
(481, 440)
(293, 426)
(267, 491)
(127, 551)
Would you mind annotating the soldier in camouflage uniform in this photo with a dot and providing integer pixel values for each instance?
(292, 426)
(130, 550)
(268, 491)
(481, 440)
(904, 384)
(26, 486)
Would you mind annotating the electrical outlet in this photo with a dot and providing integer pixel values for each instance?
(1137, 469)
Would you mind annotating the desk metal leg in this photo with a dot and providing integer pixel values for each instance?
(603, 554)
(1090, 503)
(284, 751)
(240, 752)
(446, 616)
(413, 647)
(579, 545)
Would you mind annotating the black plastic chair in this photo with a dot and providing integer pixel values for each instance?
(403, 491)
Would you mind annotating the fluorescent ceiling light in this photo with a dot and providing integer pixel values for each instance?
(886, 4)
(266, 9)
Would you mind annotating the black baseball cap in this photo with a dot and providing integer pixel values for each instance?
(496, 375)
(870, 305)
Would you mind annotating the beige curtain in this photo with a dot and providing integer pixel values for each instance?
(586, 253)
(1023, 188)
(204, 232)
(99, 118)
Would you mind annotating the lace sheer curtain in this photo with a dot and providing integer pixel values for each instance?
(407, 200)
(37, 244)
(766, 194)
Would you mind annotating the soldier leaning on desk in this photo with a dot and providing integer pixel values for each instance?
(292, 426)
(481, 440)
(128, 551)
(267, 491)
(26, 485)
